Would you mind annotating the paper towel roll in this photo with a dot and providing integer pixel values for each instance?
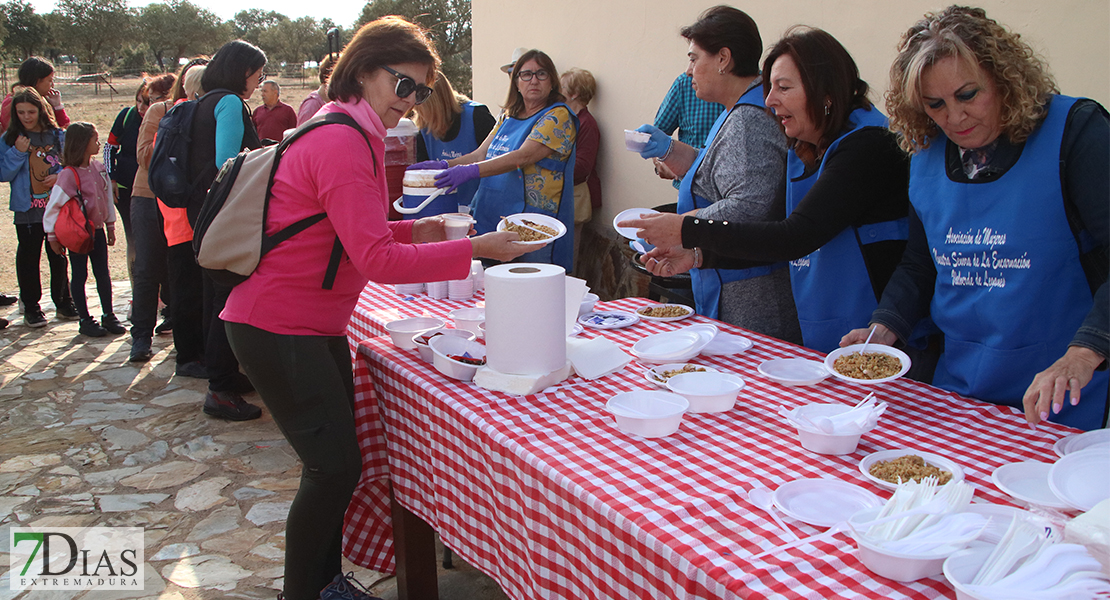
(525, 318)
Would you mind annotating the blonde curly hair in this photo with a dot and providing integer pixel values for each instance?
(1020, 77)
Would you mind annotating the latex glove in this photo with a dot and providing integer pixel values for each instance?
(658, 145)
(436, 165)
(453, 177)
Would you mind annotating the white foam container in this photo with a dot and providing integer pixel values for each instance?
(660, 413)
(588, 304)
(444, 345)
(816, 440)
(426, 351)
(402, 331)
(960, 568)
(707, 391)
(468, 318)
(894, 565)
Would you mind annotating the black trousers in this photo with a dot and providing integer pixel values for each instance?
(148, 241)
(80, 265)
(187, 302)
(218, 356)
(28, 256)
(307, 385)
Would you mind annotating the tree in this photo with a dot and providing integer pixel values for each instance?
(291, 41)
(179, 28)
(92, 27)
(249, 24)
(26, 30)
(448, 21)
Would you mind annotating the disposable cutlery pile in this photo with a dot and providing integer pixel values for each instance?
(1027, 563)
(859, 419)
(922, 518)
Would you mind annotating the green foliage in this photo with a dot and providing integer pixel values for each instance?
(249, 24)
(290, 41)
(179, 28)
(26, 31)
(448, 22)
(94, 30)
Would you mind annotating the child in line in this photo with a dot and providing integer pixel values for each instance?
(30, 158)
(98, 192)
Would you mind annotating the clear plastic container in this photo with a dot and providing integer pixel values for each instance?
(400, 152)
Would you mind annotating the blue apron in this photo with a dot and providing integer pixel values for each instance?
(707, 283)
(503, 195)
(462, 145)
(1010, 290)
(832, 289)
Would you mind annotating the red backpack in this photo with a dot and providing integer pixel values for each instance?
(73, 228)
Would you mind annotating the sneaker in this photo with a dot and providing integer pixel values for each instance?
(3, 323)
(6, 300)
(230, 406)
(66, 311)
(112, 324)
(195, 369)
(166, 326)
(343, 587)
(241, 384)
(140, 350)
(91, 328)
(34, 317)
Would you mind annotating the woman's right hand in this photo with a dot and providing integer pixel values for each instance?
(23, 143)
(54, 97)
(882, 336)
(668, 262)
(57, 247)
(499, 245)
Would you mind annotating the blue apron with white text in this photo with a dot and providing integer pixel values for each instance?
(706, 284)
(1010, 290)
(503, 195)
(832, 289)
(462, 145)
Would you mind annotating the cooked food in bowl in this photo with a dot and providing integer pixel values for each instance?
(910, 466)
(664, 311)
(663, 376)
(872, 365)
(531, 231)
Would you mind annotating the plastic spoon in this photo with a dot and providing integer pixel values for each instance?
(761, 497)
(867, 341)
(1048, 568)
(835, 529)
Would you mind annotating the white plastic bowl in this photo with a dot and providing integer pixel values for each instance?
(444, 346)
(960, 568)
(402, 331)
(876, 348)
(426, 351)
(894, 565)
(636, 141)
(647, 413)
(468, 318)
(588, 304)
(816, 440)
(707, 391)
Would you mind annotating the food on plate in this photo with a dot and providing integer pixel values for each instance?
(531, 231)
(872, 365)
(665, 375)
(662, 311)
(905, 468)
(469, 360)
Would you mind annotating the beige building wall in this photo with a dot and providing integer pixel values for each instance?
(633, 49)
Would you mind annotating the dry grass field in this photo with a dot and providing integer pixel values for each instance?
(82, 104)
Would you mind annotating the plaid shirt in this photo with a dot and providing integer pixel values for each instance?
(683, 110)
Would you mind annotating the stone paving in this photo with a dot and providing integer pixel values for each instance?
(87, 438)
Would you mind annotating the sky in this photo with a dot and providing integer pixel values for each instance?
(343, 12)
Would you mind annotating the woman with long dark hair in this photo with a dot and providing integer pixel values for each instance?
(38, 73)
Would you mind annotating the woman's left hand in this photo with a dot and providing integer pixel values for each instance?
(429, 229)
(662, 230)
(57, 247)
(1070, 373)
(668, 262)
(456, 176)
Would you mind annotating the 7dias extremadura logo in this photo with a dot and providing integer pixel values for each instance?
(76, 558)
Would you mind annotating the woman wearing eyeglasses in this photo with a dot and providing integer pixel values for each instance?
(289, 330)
(527, 161)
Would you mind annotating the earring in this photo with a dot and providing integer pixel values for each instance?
(720, 71)
(827, 109)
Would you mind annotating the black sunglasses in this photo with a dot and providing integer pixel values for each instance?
(407, 85)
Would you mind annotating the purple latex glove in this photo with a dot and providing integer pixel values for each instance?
(456, 176)
(428, 165)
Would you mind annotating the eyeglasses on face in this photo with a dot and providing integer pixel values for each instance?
(261, 77)
(407, 85)
(542, 75)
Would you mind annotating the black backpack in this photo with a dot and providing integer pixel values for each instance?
(168, 175)
(229, 238)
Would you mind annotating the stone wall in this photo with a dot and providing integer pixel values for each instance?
(604, 262)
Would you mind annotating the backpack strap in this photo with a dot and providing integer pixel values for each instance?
(80, 197)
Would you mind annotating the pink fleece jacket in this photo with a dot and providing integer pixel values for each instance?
(330, 170)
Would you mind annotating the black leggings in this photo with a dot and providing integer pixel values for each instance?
(28, 257)
(307, 385)
(79, 263)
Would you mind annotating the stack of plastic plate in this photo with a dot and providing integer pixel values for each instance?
(460, 289)
(409, 289)
(437, 289)
(674, 346)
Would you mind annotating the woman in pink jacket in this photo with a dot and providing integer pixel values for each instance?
(289, 332)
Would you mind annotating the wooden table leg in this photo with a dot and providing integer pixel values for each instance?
(414, 545)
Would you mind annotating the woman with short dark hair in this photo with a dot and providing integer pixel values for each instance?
(288, 327)
(37, 72)
(526, 164)
(845, 195)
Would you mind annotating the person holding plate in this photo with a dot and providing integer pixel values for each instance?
(526, 164)
(1010, 223)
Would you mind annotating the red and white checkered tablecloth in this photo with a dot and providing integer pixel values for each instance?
(545, 495)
